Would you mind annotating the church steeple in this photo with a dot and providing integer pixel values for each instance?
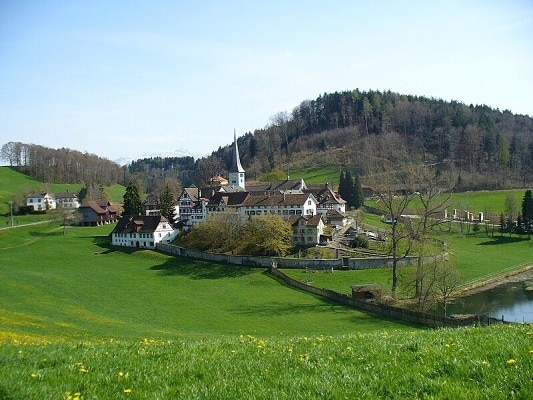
(236, 172)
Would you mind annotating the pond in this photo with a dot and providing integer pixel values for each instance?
(510, 300)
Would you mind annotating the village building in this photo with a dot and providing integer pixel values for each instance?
(283, 186)
(192, 207)
(330, 205)
(289, 199)
(97, 212)
(142, 231)
(306, 230)
(224, 202)
(41, 201)
(283, 205)
(67, 200)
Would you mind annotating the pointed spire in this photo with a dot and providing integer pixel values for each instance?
(236, 161)
(236, 171)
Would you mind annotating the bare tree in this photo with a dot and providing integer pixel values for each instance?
(442, 280)
(394, 190)
(434, 193)
(209, 167)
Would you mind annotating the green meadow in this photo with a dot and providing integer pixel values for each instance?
(318, 175)
(475, 255)
(76, 285)
(80, 319)
(465, 364)
(14, 183)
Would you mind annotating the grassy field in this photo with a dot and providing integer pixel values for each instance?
(473, 363)
(482, 201)
(313, 176)
(475, 255)
(14, 184)
(80, 320)
(77, 286)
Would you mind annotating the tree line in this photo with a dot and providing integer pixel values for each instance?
(483, 148)
(518, 221)
(60, 165)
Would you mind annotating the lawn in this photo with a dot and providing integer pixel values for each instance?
(475, 255)
(472, 363)
(13, 185)
(76, 286)
(321, 175)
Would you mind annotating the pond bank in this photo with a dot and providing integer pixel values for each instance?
(521, 275)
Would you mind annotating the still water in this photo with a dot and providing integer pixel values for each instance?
(511, 300)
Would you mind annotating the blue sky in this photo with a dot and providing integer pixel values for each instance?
(132, 78)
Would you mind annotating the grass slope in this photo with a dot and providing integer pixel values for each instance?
(77, 286)
(14, 183)
(471, 363)
(475, 255)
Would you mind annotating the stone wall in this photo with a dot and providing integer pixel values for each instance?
(300, 263)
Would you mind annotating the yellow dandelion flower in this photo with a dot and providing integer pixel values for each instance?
(511, 361)
(120, 373)
(127, 390)
(34, 375)
(485, 362)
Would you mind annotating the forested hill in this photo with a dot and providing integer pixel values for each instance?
(484, 147)
(60, 165)
(368, 132)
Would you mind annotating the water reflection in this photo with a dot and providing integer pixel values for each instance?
(511, 300)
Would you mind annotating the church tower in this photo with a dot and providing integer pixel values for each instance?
(236, 172)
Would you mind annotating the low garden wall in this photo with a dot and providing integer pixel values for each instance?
(300, 263)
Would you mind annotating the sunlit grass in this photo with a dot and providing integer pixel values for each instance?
(78, 286)
(470, 363)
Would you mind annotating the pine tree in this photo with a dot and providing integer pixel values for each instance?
(343, 190)
(132, 200)
(349, 189)
(527, 213)
(358, 197)
(168, 205)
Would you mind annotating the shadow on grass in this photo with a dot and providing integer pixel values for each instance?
(176, 265)
(502, 240)
(195, 269)
(279, 308)
(48, 233)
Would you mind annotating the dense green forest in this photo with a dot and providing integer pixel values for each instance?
(367, 131)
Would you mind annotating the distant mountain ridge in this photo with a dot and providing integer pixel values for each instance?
(182, 152)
